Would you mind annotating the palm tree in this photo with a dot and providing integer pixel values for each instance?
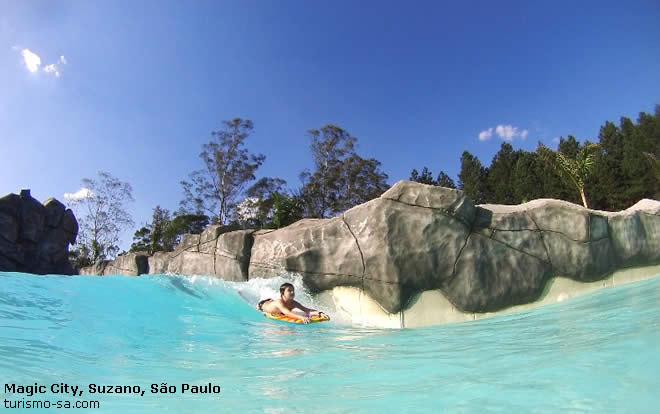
(573, 171)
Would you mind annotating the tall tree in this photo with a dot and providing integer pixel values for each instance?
(153, 236)
(101, 210)
(257, 208)
(361, 180)
(341, 178)
(528, 178)
(228, 168)
(472, 178)
(500, 175)
(330, 146)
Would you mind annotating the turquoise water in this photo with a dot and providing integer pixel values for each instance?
(596, 353)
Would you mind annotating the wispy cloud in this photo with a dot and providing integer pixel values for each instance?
(81, 194)
(505, 132)
(31, 59)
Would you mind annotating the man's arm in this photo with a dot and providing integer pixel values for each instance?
(285, 311)
(305, 309)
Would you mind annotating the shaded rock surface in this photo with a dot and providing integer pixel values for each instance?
(35, 237)
(416, 238)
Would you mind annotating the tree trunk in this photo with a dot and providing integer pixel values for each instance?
(584, 198)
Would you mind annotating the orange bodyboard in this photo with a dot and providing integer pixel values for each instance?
(316, 318)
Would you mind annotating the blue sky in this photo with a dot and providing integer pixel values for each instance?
(145, 83)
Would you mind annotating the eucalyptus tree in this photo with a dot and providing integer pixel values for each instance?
(100, 207)
(227, 169)
(341, 178)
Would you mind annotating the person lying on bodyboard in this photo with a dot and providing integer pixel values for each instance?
(285, 305)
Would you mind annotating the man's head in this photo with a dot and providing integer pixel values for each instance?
(287, 291)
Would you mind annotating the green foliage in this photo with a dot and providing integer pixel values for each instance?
(341, 179)
(444, 180)
(256, 210)
(472, 178)
(80, 257)
(426, 177)
(654, 164)
(501, 174)
(164, 233)
(574, 171)
(228, 167)
(286, 210)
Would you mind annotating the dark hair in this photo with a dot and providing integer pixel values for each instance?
(284, 286)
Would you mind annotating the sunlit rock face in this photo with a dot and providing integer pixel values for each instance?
(417, 238)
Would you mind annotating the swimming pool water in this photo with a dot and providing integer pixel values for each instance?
(595, 353)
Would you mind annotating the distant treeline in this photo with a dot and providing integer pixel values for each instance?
(611, 174)
(624, 169)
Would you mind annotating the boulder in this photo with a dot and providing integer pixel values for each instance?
(35, 238)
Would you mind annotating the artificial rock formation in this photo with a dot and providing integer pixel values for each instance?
(417, 238)
(35, 237)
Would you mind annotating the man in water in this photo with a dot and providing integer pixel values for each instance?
(285, 305)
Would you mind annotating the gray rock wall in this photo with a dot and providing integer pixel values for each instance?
(35, 237)
(417, 238)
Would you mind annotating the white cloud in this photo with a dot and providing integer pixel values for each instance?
(52, 68)
(506, 132)
(33, 62)
(81, 194)
(555, 140)
(485, 134)
(31, 59)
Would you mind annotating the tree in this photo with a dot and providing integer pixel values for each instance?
(472, 178)
(500, 175)
(528, 178)
(654, 164)
(227, 169)
(257, 208)
(153, 237)
(444, 180)
(164, 233)
(286, 210)
(341, 178)
(575, 171)
(181, 224)
(360, 180)
(424, 178)
(142, 240)
(330, 146)
(102, 215)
